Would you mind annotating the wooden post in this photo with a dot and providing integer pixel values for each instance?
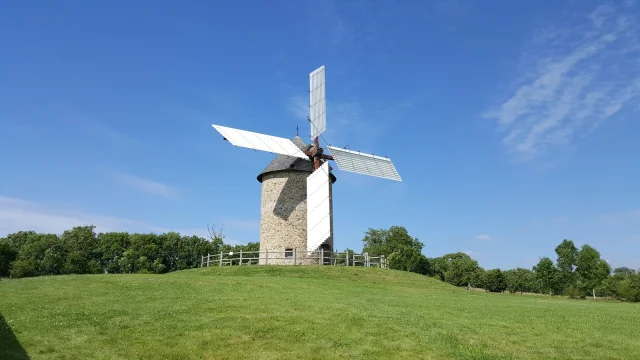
(240, 263)
(321, 256)
(366, 259)
(294, 256)
(266, 256)
(208, 259)
(221, 253)
(347, 257)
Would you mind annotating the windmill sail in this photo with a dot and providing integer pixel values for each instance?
(367, 164)
(318, 207)
(317, 102)
(257, 141)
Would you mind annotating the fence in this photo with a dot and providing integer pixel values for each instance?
(294, 257)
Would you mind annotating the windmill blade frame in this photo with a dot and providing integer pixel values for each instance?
(318, 207)
(317, 102)
(366, 164)
(258, 141)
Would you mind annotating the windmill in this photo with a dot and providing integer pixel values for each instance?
(307, 176)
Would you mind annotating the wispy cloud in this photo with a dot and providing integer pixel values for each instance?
(619, 217)
(19, 214)
(575, 79)
(560, 219)
(298, 106)
(149, 186)
(483, 237)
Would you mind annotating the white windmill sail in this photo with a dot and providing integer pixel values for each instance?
(367, 164)
(318, 207)
(317, 102)
(257, 141)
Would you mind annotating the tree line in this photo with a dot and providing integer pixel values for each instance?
(576, 273)
(82, 251)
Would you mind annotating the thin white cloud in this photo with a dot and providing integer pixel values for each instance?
(619, 218)
(22, 215)
(299, 107)
(579, 77)
(483, 237)
(146, 185)
(18, 214)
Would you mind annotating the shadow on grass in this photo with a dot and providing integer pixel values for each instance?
(10, 348)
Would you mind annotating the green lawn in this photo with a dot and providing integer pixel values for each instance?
(272, 312)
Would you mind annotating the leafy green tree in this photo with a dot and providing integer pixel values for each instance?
(17, 240)
(54, 260)
(591, 269)
(479, 278)
(112, 246)
(403, 251)
(519, 280)
(623, 272)
(495, 281)
(457, 269)
(32, 250)
(409, 259)
(7, 255)
(567, 260)
(25, 268)
(629, 288)
(548, 276)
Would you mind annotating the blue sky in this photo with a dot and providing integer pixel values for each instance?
(513, 124)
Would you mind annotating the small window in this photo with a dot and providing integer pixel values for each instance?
(288, 252)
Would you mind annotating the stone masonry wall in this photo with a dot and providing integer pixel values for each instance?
(283, 217)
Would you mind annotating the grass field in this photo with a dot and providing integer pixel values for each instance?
(272, 312)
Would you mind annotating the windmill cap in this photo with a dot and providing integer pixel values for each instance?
(292, 163)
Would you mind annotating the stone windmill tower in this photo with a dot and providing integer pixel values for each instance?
(297, 205)
(283, 209)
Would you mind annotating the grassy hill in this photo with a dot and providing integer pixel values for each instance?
(271, 312)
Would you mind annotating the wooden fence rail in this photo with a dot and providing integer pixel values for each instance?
(293, 257)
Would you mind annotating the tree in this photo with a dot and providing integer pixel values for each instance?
(629, 288)
(495, 281)
(478, 278)
(548, 275)
(623, 272)
(403, 251)
(456, 268)
(519, 280)
(591, 269)
(112, 246)
(83, 257)
(567, 256)
(216, 238)
(7, 255)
